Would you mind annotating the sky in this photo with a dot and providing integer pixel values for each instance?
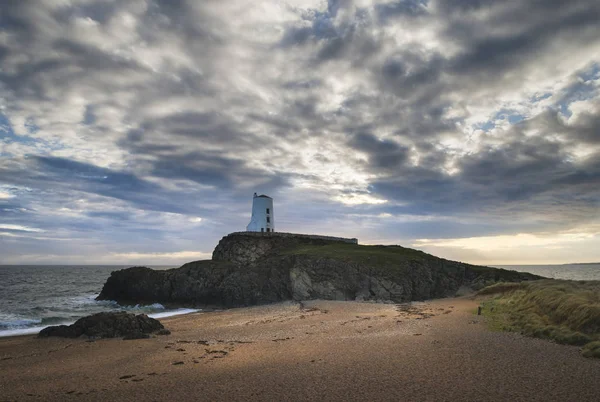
(136, 132)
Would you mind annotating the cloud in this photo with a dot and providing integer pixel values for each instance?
(161, 257)
(359, 199)
(20, 228)
(403, 8)
(540, 248)
(486, 243)
(482, 115)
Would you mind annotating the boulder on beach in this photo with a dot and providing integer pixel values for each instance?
(106, 325)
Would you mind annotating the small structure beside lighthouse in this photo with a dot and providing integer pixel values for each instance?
(263, 218)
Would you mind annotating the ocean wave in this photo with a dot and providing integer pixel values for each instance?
(172, 313)
(154, 306)
(18, 323)
(20, 331)
(56, 320)
(89, 301)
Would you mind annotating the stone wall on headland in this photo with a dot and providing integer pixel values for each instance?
(352, 240)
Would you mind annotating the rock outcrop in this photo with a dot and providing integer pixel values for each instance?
(249, 269)
(106, 325)
(249, 247)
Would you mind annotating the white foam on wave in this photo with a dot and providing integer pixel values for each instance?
(19, 322)
(172, 313)
(155, 306)
(21, 331)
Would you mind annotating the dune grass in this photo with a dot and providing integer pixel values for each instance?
(567, 312)
(591, 349)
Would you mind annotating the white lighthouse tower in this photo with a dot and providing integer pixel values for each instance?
(263, 219)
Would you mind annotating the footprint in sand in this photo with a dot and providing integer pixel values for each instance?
(216, 352)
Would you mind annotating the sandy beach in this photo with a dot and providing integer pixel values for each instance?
(320, 350)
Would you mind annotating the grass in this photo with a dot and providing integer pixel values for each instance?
(391, 262)
(501, 287)
(566, 312)
(396, 262)
(376, 255)
(592, 349)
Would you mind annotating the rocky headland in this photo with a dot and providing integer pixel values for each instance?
(255, 268)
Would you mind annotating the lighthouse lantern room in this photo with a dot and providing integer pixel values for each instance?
(263, 218)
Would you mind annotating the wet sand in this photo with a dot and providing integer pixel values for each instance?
(320, 351)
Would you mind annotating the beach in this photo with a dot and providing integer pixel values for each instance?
(437, 350)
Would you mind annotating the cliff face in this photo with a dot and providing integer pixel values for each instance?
(248, 247)
(250, 269)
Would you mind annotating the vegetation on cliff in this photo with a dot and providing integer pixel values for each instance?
(359, 253)
(567, 312)
(395, 257)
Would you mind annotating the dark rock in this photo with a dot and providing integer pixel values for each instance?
(163, 332)
(106, 325)
(248, 270)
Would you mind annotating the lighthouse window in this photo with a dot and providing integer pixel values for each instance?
(268, 219)
(268, 211)
(268, 230)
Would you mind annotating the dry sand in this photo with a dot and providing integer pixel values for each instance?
(321, 351)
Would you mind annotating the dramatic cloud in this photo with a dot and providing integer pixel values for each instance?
(140, 130)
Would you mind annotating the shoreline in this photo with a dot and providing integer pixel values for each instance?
(9, 333)
(318, 350)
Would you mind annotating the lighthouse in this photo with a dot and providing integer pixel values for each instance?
(262, 214)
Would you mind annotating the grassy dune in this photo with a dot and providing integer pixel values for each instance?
(566, 312)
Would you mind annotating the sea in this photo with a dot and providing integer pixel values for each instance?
(573, 272)
(33, 297)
